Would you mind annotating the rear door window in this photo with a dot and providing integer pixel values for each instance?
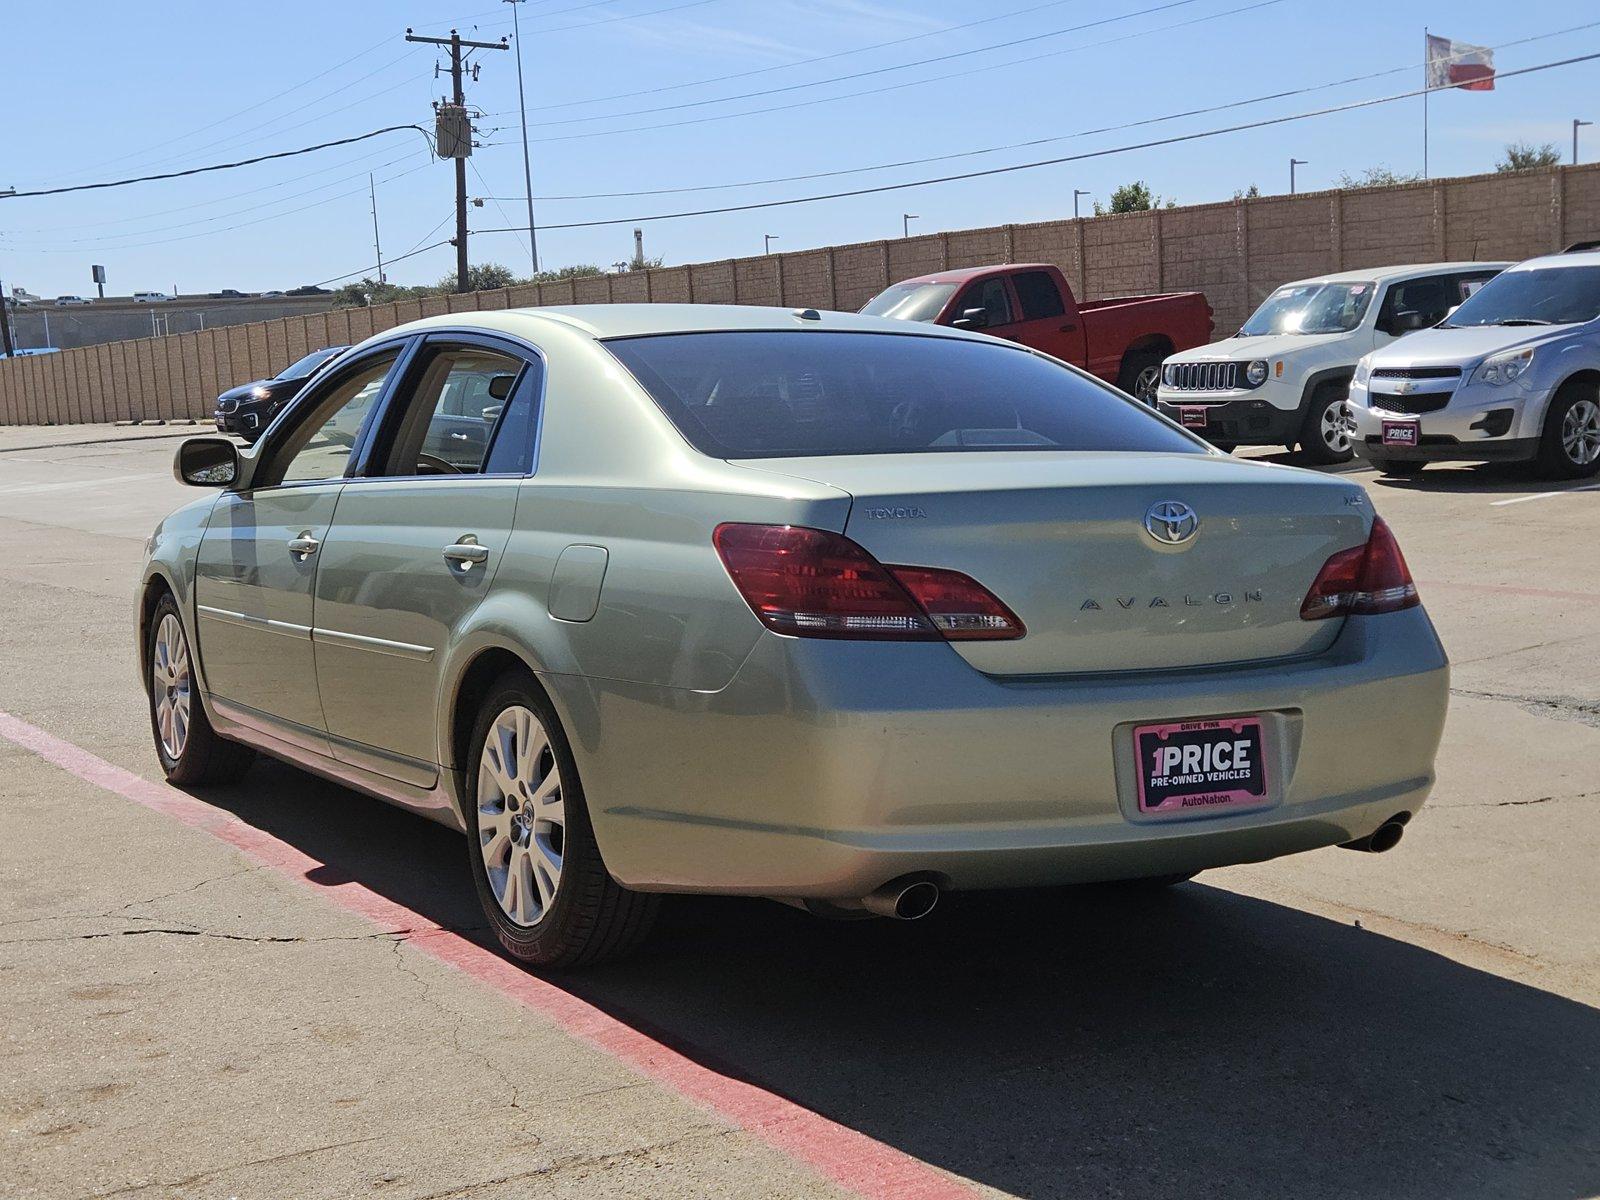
(456, 405)
(781, 393)
(1038, 294)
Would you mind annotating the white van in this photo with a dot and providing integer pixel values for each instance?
(1282, 380)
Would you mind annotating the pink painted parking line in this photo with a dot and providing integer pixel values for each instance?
(845, 1156)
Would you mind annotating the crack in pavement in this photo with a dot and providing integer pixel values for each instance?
(1563, 708)
(395, 935)
(213, 1172)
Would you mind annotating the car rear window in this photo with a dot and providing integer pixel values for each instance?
(766, 394)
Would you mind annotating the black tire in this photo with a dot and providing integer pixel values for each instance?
(204, 757)
(1140, 375)
(1313, 444)
(591, 918)
(1555, 458)
(1400, 468)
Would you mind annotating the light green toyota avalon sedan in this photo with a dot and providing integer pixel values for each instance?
(831, 609)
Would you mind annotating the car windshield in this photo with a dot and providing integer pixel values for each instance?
(910, 301)
(1543, 296)
(767, 394)
(1311, 308)
(309, 363)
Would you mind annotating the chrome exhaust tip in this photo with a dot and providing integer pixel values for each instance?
(903, 901)
(1385, 837)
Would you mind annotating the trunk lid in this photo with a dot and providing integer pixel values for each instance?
(1061, 539)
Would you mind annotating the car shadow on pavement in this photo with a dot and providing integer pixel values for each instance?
(1077, 1042)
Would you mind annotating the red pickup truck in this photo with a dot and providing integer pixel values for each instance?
(1122, 340)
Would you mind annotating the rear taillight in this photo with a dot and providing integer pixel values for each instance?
(812, 583)
(1365, 579)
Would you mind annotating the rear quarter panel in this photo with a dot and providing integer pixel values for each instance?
(1111, 326)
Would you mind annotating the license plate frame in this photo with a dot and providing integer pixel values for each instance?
(1212, 788)
(1193, 416)
(1402, 433)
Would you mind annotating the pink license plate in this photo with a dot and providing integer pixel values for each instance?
(1201, 766)
(1401, 433)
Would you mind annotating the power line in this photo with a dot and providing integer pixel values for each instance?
(391, 262)
(1050, 162)
(805, 62)
(229, 166)
(915, 162)
(654, 12)
(875, 71)
(894, 87)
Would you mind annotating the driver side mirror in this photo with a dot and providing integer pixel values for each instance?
(972, 318)
(206, 462)
(1407, 321)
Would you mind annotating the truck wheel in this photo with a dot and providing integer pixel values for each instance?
(1325, 432)
(1140, 375)
(1569, 447)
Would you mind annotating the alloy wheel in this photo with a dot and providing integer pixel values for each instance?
(170, 686)
(1580, 433)
(521, 816)
(1145, 383)
(1335, 428)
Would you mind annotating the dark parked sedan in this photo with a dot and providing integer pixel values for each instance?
(247, 409)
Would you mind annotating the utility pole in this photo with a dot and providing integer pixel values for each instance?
(1076, 192)
(527, 167)
(1577, 125)
(905, 223)
(5, 312)
(377, 245)
(462, 149)
(1293, 163)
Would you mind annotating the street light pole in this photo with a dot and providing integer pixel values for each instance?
(527, 168)
(5, 313)
(766, 242)
(905, 223)
(1576, 125)
(1293, 163)
(1076, 192)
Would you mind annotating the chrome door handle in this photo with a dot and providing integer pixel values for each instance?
(465, 551)
(459, 437)
(304, 546)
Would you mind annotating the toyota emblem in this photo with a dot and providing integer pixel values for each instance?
(1171, 522)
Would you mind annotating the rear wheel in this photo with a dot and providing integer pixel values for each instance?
(1569, 447)
(532, 851)
(191, 752)
(1140, 375)
(1325, 433)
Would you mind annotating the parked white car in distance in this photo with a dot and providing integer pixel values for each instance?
(69, 301)
(1283, 378)
(150, 297)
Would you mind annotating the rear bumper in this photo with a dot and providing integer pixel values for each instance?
(1243, 422)
(826, 769)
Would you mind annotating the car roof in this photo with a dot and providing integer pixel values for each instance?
(1400, 271)
(603, 321)
(1576, 258)
(964, 274)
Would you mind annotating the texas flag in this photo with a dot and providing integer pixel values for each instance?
(1459, 64)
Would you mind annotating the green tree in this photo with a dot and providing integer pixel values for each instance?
(481, 277)
(1378, 176)
(366, 292)
(576, 271)
(1250, 193)
(1525, 156)
(1132, 197)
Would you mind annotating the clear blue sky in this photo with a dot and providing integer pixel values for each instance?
(100, 90)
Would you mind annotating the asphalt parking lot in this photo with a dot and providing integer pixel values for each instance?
(278, 989)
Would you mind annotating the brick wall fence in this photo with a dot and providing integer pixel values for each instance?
(1235, 252)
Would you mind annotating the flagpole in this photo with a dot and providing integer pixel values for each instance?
(1426, 81)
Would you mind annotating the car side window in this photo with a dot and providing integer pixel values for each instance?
(320, 445)
(1038, 295)
(469, 412)
(1432, 297)
(989, 295)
